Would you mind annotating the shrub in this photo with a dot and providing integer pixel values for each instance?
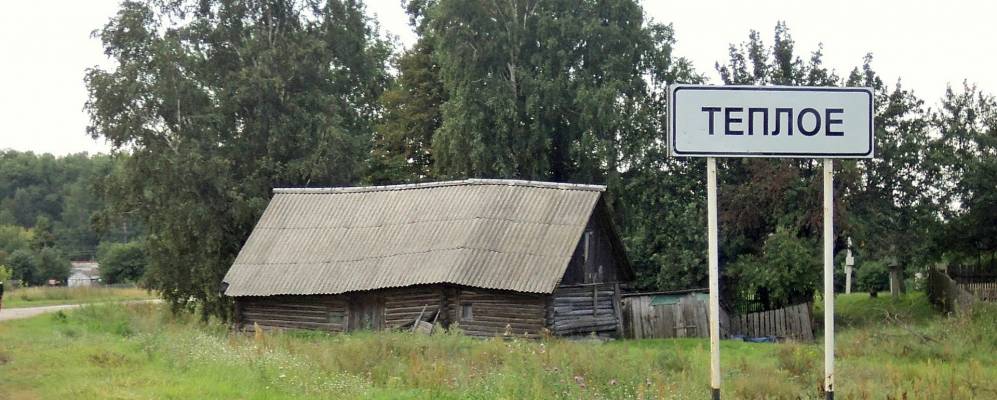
(121, 262)
(872, 276)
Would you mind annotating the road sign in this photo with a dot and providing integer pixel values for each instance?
(770, 121)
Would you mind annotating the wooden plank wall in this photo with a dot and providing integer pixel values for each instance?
(494, 310)
(327, 313)
(586, 309)
(688, 318)
(793, 322)
(983, 291)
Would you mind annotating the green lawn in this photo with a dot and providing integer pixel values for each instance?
(140, 351)
(50, 296)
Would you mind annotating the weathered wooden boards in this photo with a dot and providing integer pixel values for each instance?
(403, 305)
(793, 322)
(496, 313)
(325, 313)
(983, 291)
(686, 318)
(570, 310)
(586, 309)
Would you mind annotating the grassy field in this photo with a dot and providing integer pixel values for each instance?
(49, 296)
(887, 350)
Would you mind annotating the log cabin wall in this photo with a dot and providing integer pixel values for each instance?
(325, 313)
(403, 305)
(579, 310)
(487, 313)
(573, 310)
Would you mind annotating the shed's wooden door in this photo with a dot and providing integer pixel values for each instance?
(366, 313)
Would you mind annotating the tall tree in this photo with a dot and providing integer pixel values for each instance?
(544, 89)
(964, 161)
(220, 101)
(403, 140)
(892, 198)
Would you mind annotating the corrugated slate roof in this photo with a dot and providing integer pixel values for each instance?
(495, 234)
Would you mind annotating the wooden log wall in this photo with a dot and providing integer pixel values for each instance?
(586, 309)
(403, 305)
(793, 322)
(493, 311)
(326, 313)
(687, 318)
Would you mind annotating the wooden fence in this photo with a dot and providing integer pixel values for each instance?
(793, 322)
(686, 316)
(983, 291)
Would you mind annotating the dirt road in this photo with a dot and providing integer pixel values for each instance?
(28, 312)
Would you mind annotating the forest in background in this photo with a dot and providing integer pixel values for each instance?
(52, 211)
(210, 104)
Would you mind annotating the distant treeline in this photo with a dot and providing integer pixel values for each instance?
(52, 210)
(217, 102)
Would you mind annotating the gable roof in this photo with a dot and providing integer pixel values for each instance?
(494, 234)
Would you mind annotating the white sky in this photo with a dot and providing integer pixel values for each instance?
(46, 47)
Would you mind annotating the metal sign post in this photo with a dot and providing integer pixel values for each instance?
(714, 258)
(829, 278)
(770, 121)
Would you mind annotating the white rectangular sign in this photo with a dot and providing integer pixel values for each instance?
(770, 121)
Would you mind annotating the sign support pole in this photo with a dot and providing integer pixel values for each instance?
(711, 201)
(829, 279)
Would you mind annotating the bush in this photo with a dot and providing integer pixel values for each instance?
(52, 265)
(787, 270)
(872, 276)
(23, 266)
(121, 262)
(5, 273)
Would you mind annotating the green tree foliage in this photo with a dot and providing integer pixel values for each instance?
(220, 101)
(13, 238)
(771, 207)
(24, 266)
(5, 273)
(51, 264)
(885, 204)
(553, 90)
(42, 236)
(965, 161)
(786, 271)
(872, 276)
(663, 202)
(402, 150)
(121, 262)
(59, 193)
(892, 198)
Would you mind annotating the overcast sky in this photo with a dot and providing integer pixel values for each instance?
(929, 44)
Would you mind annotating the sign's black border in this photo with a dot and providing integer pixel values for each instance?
(673, 147)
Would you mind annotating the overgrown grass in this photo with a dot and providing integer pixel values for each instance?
(142, 351)
(48, 296)
(857, 310)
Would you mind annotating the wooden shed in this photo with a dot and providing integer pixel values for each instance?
(681, 313)
(492, 256)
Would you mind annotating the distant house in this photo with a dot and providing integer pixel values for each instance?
(83, 273)
(494, 256)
